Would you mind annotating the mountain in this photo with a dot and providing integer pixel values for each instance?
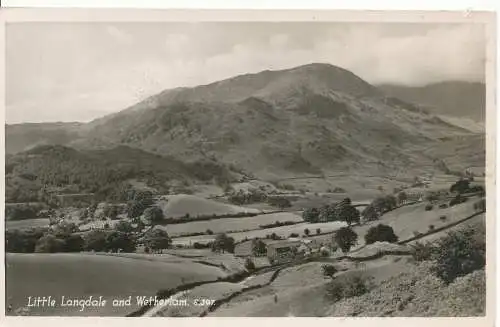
(453, 98)
(309, 120)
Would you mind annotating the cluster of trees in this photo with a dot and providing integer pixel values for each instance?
(66, 238)
(457, 254)
(223, 243)
(25, 211)
(345, 237)
(464, 186)
(341, 211)
(241, 197)
(379, 206)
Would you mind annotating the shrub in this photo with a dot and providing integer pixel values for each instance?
(157, 239)
(460, 186)
(329, 270)
(318, 231)
(209, 232)
(480, 205)
(443, 218)
(353, 285)
(429, 207)
(457, 200)
(153, 215)
(459, 253)
(223, 243)
(443, 206)
(345, 238)
(431, 227)
(249, 264)
(421, 251)
(307, 231)
(294, 235)
(380, 233)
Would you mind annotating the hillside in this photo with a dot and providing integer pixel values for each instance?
(454, 98)
(104, 172)
(305, 121)
(21, 137)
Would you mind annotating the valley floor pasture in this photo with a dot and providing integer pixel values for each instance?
(82, 275)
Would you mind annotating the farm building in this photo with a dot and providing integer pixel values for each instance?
(285, 250)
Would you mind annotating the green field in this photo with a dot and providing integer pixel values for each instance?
(26, 223)
(82, 275)
(230, 224)
(283, 231)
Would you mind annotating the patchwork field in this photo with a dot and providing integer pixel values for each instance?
(81, 275)
(27, 223)
(178, 206)
(229, 224)
(283, 231)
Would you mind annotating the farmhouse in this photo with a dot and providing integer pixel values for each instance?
(281, 251)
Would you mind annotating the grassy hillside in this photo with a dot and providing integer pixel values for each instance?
(103, 172)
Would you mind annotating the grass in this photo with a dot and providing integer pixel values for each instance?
(27, 223)
(283, 231)
(229, 224)
(178, 206)
(82, 275)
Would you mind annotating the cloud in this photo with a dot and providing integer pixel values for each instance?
(80, 72)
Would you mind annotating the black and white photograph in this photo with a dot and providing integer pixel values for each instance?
(249, 168)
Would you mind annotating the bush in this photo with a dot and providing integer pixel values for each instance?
(329, 270)
(431, 227)
(443, 218)
(380, 233)
(480, 205)
(421, 251)
(294, 235)
(249, 264)
(459, 253)
(311, 215)
(353, 285)
(318, 231)
(209, 232)
(443, 206)
(307, 231)
(429, 207)
(457, 200)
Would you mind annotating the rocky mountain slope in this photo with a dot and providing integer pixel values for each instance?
(309, 120)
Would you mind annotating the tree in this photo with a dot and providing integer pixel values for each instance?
(370, 213)
(402, 197)
(157, 239)
(318, 231)
(153, 215)
(307, 231)
(74, 243)
(380, 233)
(95, 241)
(258, 248)
(124, 226)
(311, 215)
(139, 203)
(349, 214)
(460, 186)
(459, 253)
(209, 232)
(118, 241)
(345, 238)
(49, 244)
(223, 243)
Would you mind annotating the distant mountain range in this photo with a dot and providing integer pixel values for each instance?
(309, 120)
(454, 98)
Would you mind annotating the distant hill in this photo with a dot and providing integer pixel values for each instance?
(454, 98)
(305, 121)
(21, 137)
(30, 175)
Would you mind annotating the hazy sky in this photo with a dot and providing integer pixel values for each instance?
(80, 71)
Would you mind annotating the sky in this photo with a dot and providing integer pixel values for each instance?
(82, 71)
